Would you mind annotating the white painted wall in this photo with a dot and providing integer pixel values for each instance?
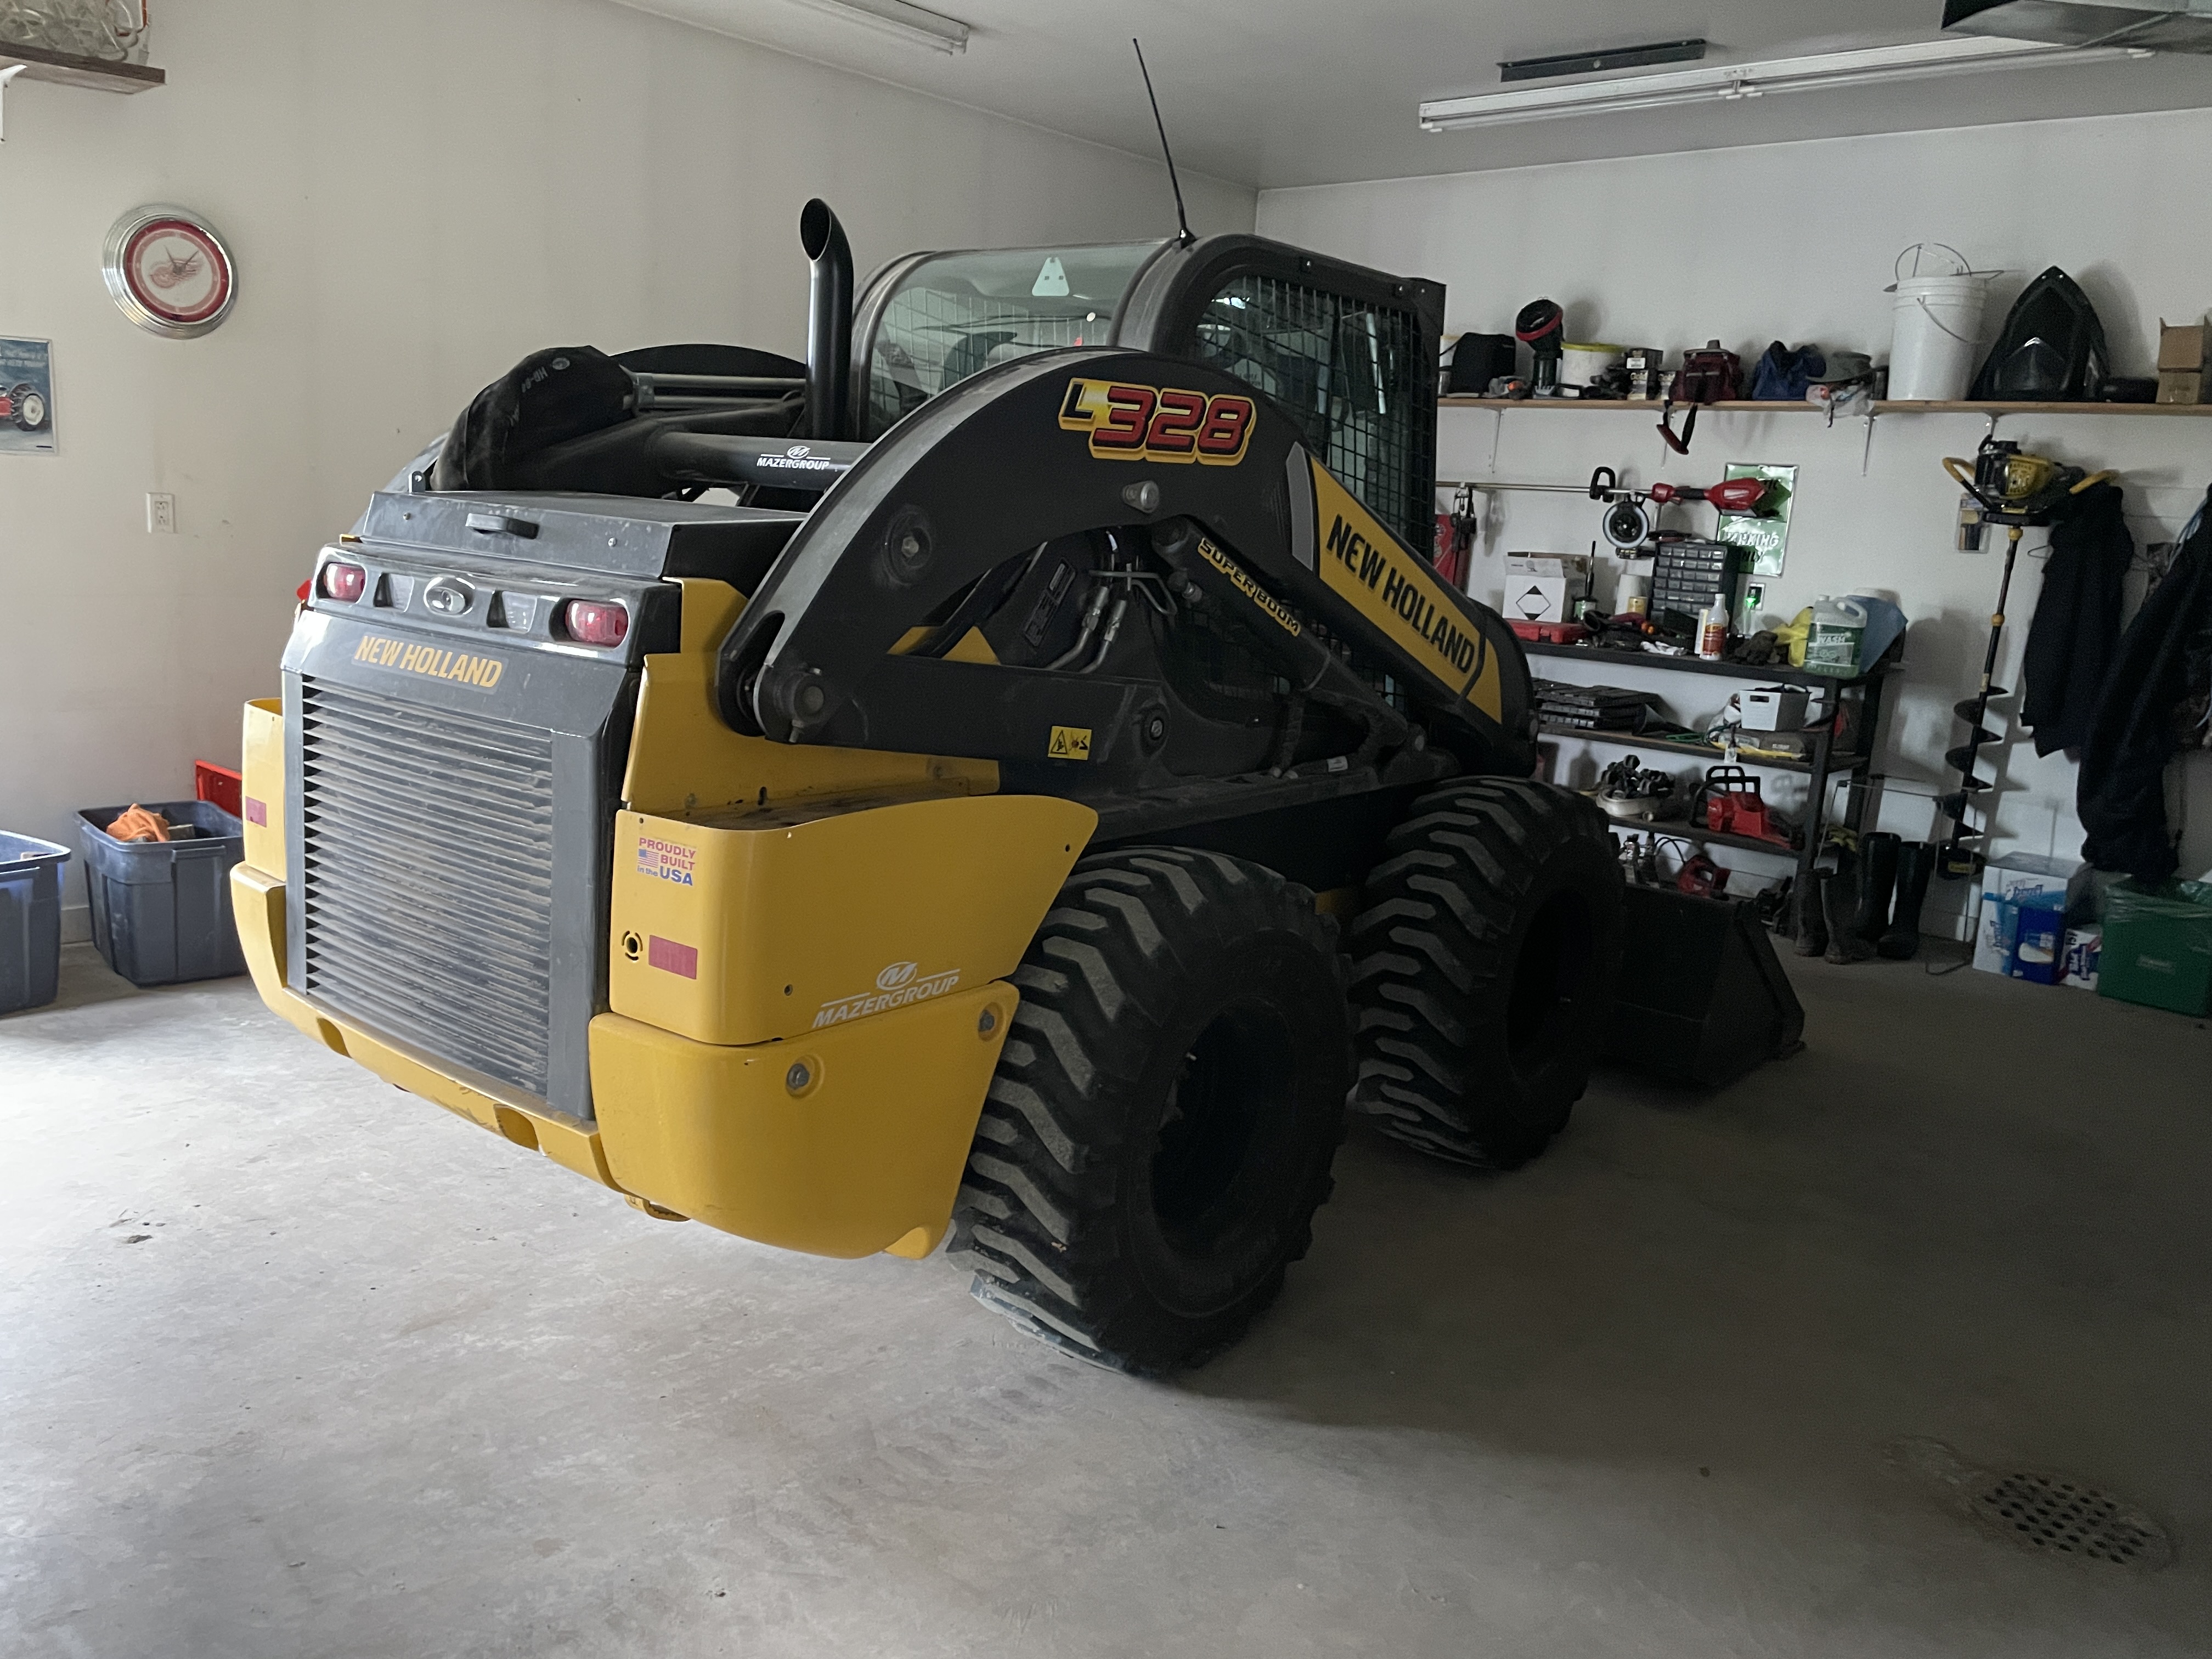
(1795, 241)
(418, 192)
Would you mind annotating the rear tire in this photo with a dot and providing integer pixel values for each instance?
(1483, 963)
(1160, 1129)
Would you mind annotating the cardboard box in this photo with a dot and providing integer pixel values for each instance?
(2181, 385)
(2039, 937)
(1545, 586)
(2083, 945)
(2182, 345)
(2005, 881)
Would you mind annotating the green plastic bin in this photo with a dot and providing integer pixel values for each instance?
(2158, 946)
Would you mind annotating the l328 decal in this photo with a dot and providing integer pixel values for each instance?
(1130, 422)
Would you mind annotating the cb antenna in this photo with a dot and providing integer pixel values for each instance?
(1182, 218)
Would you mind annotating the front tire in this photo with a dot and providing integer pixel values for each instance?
(1484, 957)
(1160, 1130)
(30, 406)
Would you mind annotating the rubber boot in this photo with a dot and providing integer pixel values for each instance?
(1878, 868)
(1840, 899)
(1916, 863)
(1812, 927)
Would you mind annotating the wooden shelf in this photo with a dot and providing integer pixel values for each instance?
(1887, 406)
(1892, 407)
(68, 70)
(1635, 406)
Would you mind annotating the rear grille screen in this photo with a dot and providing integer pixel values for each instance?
(429, 877)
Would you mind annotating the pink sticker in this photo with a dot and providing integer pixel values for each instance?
(257, 813)
(671, 958)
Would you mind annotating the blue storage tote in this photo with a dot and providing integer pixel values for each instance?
(161, 910)
(30, 921)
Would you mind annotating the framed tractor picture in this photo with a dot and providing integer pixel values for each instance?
(27, 398)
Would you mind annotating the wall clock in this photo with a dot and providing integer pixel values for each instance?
(170, 271)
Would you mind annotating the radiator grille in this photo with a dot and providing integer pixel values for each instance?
(429, 877)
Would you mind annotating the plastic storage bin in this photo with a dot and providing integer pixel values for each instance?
(30, 921)
(2158, 946)
(161, 911)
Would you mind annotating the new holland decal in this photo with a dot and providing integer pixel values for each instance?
(431, 661)
(1131, 423)
(1400, 595)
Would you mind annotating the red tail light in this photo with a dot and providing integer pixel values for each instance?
(594, 622)
(343, 581)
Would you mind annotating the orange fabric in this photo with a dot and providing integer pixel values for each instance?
(139, 825)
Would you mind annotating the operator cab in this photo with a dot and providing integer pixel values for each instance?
(1346, 353)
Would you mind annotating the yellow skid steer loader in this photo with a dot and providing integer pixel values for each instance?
(1017, 778)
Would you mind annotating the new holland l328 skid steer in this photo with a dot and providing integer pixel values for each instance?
(1053, 788)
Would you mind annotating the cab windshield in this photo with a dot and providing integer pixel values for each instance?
(955, 315)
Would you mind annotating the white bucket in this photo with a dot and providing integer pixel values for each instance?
(1937, 329)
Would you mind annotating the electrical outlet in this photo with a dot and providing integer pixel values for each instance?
(160, 514)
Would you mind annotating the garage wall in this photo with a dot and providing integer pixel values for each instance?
(1796, 241)
(418, 192)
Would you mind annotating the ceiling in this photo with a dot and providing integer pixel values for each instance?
(1273, 92)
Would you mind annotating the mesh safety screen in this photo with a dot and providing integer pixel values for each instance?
(1352, 375)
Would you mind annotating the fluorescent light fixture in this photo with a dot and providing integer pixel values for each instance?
(1726, 82)
(915, 25)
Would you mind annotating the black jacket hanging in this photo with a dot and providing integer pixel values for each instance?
(2077, 619)
(2121, 794)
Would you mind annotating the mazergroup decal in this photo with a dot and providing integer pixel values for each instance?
(901, 983)
(431, 661)
(1398, 593)
(1251, 590)
(1131, 423)
(799, 458)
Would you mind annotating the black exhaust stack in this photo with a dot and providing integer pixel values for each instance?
(828, 323)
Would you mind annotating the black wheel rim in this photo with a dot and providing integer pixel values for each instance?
(1217, 1156)
(1548, 975)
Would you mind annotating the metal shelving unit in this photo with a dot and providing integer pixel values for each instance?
(1824, 765)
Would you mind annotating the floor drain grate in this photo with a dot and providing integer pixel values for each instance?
(2070, 1518)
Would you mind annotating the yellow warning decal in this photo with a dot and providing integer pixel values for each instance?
(1132, 423)
(1070, 742)
(1399, 594)
(1250, 589)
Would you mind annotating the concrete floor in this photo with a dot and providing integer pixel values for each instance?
(292, 1364)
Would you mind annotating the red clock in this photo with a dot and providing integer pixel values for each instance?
(170, 271)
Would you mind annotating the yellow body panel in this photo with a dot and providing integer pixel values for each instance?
(261, 786)
(1363, 564)
(849, 1142)
(786, 921)
(881, 896)
(683, 758)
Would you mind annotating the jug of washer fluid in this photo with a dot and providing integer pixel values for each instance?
(1838, 631)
